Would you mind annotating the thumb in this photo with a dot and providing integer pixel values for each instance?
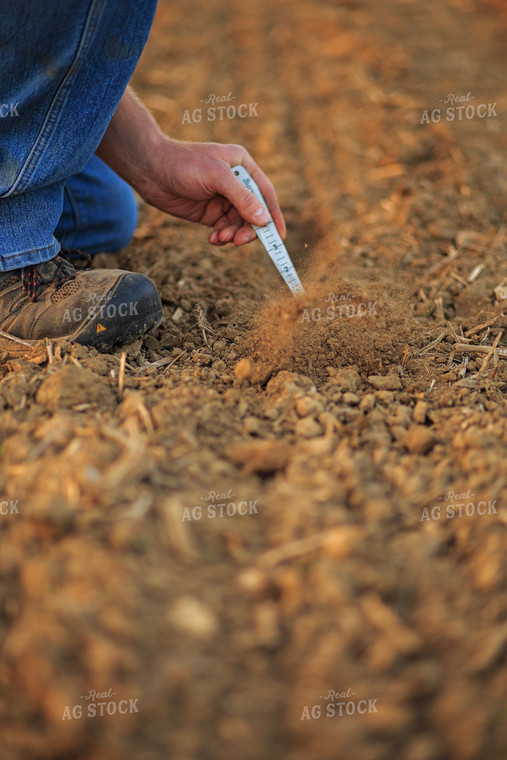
(249, 208)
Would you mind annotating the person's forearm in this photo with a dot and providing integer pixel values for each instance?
(131, 143)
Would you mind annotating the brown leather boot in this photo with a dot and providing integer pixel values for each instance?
(95, 307)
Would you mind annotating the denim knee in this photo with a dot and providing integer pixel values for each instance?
(122, 221)
(99, 211)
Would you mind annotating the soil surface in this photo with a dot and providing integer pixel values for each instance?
(365, 445)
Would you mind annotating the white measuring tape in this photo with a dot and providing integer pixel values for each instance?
(270, 237)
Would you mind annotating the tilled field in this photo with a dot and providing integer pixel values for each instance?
(277, 527)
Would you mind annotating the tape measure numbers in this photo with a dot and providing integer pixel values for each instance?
(270, 237)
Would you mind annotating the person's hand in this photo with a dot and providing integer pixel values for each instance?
(194, 181)
(191, 180)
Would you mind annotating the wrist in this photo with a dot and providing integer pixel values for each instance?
(148, 170)
(163, 159)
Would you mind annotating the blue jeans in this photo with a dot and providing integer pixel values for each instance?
(65, 67)
(99, 210)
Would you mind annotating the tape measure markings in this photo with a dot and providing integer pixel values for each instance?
(270, 237)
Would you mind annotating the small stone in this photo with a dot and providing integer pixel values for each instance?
(288, 383)
(176, 317)
(169, 341)
(339, 542)
(307, 405)
(403, 415)
(419, 440)
(308, 427)
(271, 412)
(420, 410)
(367, 402)
(350, 398)
(202, 360)
(347, 379)
(386, 397)
(151, 342)
(385, 382)
(133, 349)
(194, 618)
(253, 581)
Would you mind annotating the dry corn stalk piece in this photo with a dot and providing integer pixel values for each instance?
(16, 340)
(474, 274)
(501, 291)
(477, 329)
(478, 349)
(490, 354)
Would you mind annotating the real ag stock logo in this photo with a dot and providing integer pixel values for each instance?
(338, 310)
(458, 108)
(339, 704)
(220, 112)
(98, 705)
(220, 505)
(101, 308)
(458, 505)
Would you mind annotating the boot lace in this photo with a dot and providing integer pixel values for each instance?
(32, 282)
